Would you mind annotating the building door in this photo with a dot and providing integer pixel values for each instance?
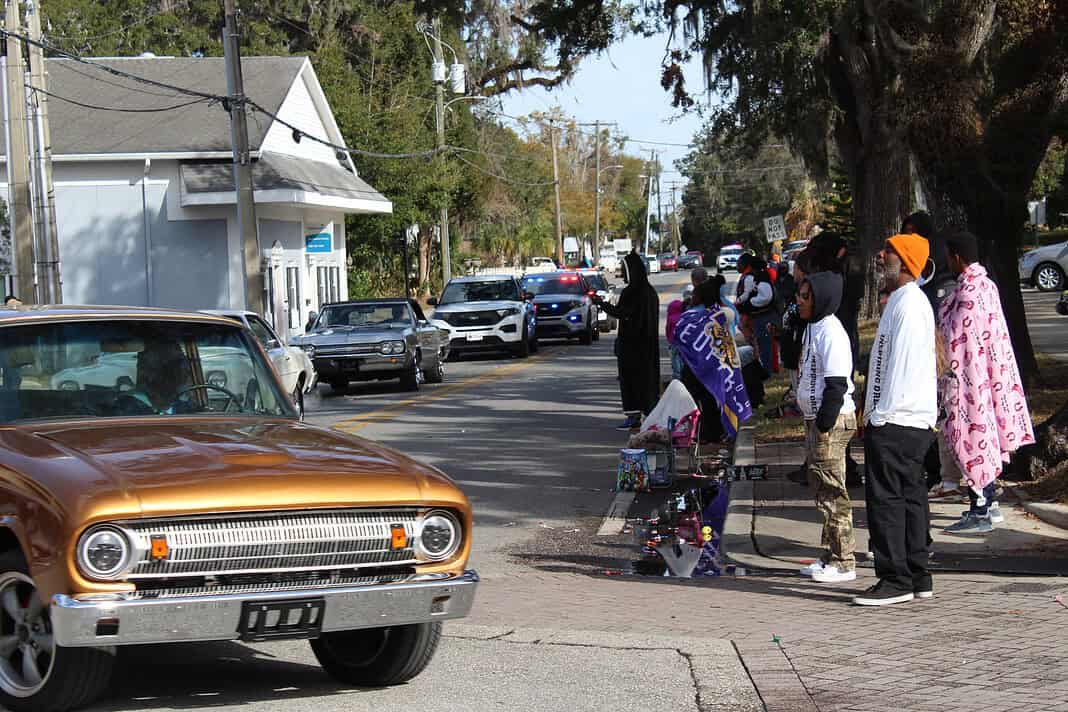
(322, 280)
(293, 298)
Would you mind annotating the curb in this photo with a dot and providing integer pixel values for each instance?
(1053, 514)
(739, 544)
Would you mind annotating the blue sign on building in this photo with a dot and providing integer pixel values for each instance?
(319, 242)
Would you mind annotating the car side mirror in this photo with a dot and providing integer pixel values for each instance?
(422, 323)
(433, 301)
(273, 344)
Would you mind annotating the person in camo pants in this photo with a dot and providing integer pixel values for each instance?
(825, 398)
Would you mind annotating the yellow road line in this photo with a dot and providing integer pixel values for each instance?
(357, 423)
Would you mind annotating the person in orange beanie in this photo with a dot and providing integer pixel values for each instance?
(899, 415)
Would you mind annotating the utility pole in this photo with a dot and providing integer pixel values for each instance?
(251, 258)
(649, 198)
(45, 214)
(439, 58)
(597, 181)
(18, 160)
(676, 228)
(556, 189)
(659, 211)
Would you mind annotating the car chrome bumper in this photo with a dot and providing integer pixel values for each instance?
(424, 599)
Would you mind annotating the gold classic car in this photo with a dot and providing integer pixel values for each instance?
(168, 508)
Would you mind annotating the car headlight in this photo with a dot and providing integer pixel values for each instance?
(391, 347)
(69, 386)
(217, 379)
(105, 553)
(309, 349)
(439, 536)
(510, 311)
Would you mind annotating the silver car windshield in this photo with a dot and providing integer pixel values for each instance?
(365, 315)
(556, 284)
(98, 369)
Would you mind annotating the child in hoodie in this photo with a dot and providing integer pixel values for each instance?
(825, 398)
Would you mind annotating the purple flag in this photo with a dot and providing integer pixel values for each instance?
(703, 340)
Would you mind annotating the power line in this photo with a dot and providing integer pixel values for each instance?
(505, 178)
(126, 110)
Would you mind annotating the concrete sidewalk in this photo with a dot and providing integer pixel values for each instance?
(773, 525)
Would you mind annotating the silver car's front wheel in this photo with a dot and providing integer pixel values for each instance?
(1049, 278)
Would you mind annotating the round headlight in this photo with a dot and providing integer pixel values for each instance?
(217, 378)
(386, 347)
(104, 553)
(439, 536)
(398, 347)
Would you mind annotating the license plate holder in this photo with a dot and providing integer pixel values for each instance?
(289, 619)
(474, 337)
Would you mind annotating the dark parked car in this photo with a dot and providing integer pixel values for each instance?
(691, 259)
(375, 340)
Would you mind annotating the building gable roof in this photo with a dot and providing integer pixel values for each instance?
(200, 127)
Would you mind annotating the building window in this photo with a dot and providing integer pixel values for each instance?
(321, 280)
(293, 295)
(335, 284)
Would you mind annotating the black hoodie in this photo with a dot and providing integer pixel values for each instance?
(826, 298)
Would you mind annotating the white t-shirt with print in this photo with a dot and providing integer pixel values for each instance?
(825, 353)
(902, 382)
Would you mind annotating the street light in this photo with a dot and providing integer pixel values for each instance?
(597, 205)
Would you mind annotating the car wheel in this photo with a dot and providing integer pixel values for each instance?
(587, 336)
(298, 398)
(534, 344)
(410, 380)
(378, 657)
(1049, 277)
(35, 673)
(522, 347)
(339, 386)
(436, 374)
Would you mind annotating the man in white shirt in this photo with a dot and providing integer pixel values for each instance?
(825, 398)
(900, 413)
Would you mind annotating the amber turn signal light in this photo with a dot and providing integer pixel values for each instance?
(160, 549)
(399, 536)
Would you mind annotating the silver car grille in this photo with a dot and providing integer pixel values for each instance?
(301, 541)
(263, 587)
(347, 350)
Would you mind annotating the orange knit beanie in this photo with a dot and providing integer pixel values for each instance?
(913, 250)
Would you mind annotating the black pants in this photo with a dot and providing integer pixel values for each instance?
(898, 513)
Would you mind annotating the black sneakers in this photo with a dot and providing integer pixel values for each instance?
(882, 594)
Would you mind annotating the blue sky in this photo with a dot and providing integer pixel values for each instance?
(623, 85)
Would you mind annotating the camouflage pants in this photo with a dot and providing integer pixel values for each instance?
(826, 454)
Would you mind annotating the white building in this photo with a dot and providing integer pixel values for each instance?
(145, 200)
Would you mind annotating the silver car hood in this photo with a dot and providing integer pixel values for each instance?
(350, 335)
(464, 307)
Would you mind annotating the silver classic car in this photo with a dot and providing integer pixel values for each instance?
(375, 340)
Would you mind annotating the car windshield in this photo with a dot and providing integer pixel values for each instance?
(667, 256)
(489, 291)
(98, 369)
(364, 315)
(790, 246)
(731, 251)
(553, 284)
(596, 281)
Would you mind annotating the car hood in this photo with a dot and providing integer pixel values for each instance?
(99, 471)
(349, 335)
(462, 307)
(1049, 251)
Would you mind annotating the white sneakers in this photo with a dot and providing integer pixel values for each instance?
(834, 574)
(812, 568)
(996, 517)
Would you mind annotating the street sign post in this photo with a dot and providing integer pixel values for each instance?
(775, 228)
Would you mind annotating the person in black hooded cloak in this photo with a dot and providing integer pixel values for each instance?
(637, 342)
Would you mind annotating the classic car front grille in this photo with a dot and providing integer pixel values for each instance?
(262, 583)
(281, 541)
(347, 350)
(475, 318)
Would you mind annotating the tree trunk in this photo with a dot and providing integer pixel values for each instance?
(426, 239)
(1048, 457)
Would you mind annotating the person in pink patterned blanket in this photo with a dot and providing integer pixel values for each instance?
(986, 412)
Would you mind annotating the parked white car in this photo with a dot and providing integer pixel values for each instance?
(654, 264)
(1045, 268)
(291, 364)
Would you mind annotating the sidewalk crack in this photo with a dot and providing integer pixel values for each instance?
(749, 674)
(693, 678)
(808, 693)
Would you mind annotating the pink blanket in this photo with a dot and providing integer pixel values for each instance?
(987, 418)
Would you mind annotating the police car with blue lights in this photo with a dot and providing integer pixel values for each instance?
(564, 305)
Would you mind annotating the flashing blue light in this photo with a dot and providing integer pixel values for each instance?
(556, 306)
(575, 317)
